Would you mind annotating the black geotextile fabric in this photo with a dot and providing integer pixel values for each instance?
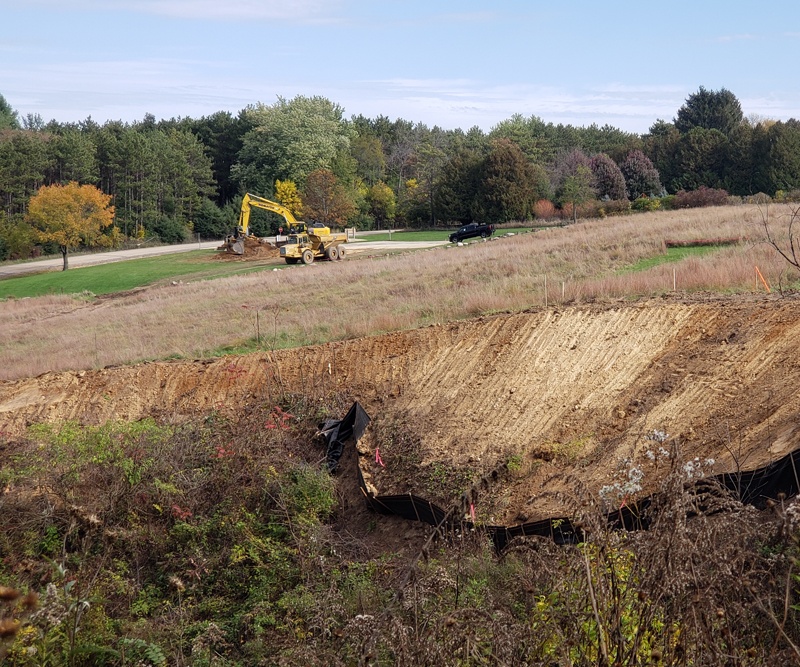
(336, 432)
(753, 487)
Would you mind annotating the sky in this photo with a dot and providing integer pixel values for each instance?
(451, 63)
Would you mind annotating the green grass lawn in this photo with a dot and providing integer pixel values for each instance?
(126, 275)
(671, 255)
(192, 265)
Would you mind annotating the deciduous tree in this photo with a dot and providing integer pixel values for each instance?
(382, 203)
(368, 153)
(572, 180)
(577, 189)
(71, 216)
(325, 200)
(289, 140)
(286, 193)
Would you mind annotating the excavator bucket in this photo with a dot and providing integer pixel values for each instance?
(237, 247)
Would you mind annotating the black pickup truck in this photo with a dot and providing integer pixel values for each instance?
(470, 231)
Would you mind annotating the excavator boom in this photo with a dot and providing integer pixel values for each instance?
(235, 244)
(253, 201)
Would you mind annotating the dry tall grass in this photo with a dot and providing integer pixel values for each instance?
(363, 296)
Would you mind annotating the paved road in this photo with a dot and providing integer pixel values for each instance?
(76, 261)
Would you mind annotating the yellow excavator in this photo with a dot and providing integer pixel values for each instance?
(304, 243)
(235, 243)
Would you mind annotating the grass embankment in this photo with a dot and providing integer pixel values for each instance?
(362, 296)
(127, 275)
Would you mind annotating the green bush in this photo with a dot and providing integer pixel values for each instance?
(167, 229)
(644, 204)
(668, 202)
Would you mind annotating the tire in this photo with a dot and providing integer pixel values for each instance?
(332, 253)
(342, 252)
(292, 260)
(453, 239)
(484, 235)
(308, 257)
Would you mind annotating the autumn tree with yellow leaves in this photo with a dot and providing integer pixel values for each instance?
(287, 194)
(72, 216)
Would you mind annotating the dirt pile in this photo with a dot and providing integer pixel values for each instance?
(254, 248)
(559, 395)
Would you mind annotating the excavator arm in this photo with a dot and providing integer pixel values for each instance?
(252, 201)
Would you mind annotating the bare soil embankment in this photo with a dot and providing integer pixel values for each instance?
(564, 393)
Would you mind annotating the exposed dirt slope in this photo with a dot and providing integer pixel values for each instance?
(562, 391)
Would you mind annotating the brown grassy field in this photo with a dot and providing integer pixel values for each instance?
(323, 302)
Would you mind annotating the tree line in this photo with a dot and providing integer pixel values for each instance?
(173, 179)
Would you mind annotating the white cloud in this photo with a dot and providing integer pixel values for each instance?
(232, 10)
(737, 38)
(71, 91)
(464, 102)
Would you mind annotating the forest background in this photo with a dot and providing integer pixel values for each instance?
(179, 179)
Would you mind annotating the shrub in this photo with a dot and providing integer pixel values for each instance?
(761, 198)
(168, 230)
(703, 196)
(616, 207)
(544, 209)
(668, 202)
(362, 222)
(644, 204)
(16, 239)
(591, 209)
